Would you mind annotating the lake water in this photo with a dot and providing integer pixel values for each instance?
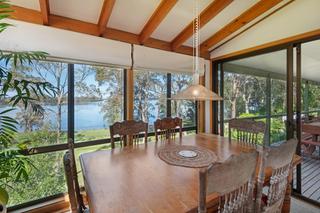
(87, 116)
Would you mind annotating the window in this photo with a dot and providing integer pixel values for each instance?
(244, 95)
(183, 108)
(49, 125)
(48, 179)
(98, 100)
(150, 89)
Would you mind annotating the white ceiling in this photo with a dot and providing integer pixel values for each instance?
(132, 15)
(178, 18)
(84, 10)
(229, 13)
(276, 61)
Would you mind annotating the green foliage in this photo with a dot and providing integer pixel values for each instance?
(15, 167)
(5, 10)
(4, 197)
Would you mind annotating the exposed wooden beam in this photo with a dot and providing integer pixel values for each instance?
(45, 11)
(105, 14)
(253, 12)
(304, 37)
(206, 15)
(33, 16)
(159, 14)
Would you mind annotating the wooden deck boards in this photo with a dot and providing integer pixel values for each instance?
(310, 170)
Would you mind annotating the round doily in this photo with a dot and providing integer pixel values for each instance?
(197, 157)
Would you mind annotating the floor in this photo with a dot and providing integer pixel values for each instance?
(310, 185)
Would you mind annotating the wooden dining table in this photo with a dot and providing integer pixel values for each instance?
(135, 179)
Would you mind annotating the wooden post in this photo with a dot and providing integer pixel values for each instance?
(268, 111)
(215, 115)
(211, 102)
(129, 94)
(306, 99)
(201, 109)
(298, 117)
(290, 92)
(221, 87)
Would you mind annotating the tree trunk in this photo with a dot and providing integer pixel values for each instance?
(233, 108)
(59, 119)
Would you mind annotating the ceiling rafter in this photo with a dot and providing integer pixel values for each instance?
(45, 11)
(159, 14)
(206, 15)
(105, 14)
(253, 12)
(34, 16)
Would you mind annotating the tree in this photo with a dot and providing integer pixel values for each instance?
(181, 108)
(149, 93)
(14, 90)
(112, 94)
(29, 119)
(56, 73)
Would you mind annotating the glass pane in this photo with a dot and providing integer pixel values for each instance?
(244, 95)
(150, 89)
(278, 97)
(247, 94)
(98, 100)
(310, 175)
(47, 179)
(49, 127)
(182, 108)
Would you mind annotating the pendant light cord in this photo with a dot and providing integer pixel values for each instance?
(195, 42)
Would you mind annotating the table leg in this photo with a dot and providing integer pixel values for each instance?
(287, 197)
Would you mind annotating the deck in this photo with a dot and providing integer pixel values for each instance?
(310, 170)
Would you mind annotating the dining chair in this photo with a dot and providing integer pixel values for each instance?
(232, 181)
(166, 128)
(309, 139)
(75, 197)
(247, 130)
(278, 161)
(129, 130)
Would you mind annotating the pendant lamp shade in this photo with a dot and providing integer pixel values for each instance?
(197, 92)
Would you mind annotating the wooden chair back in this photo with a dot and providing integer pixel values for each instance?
(166, 128)
(278, 159)
(75, 197)
(310, 129)
(247, 130)
(233, 181)
(129, 131)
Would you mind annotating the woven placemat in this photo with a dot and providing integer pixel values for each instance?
(170, 154)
